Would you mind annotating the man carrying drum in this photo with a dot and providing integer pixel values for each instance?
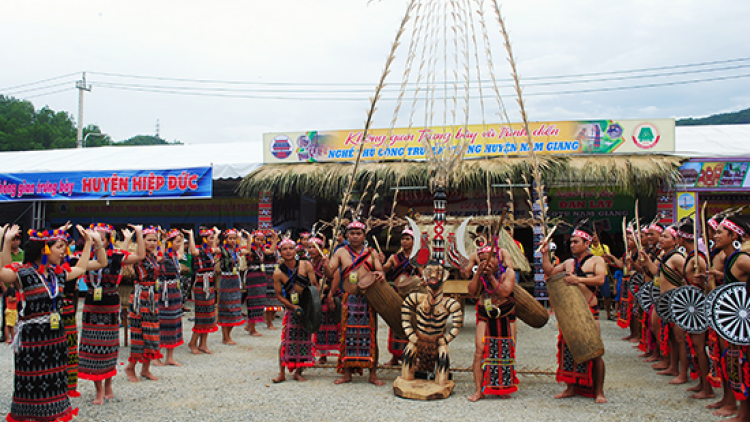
(588, 272)
(359, 323)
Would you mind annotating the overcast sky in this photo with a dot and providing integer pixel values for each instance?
(324, 44)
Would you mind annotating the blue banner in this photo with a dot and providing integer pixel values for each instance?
(194, 182)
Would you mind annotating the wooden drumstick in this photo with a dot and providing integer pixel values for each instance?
(546, 239)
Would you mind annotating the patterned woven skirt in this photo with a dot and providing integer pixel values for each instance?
(68, 316)
(205, 304)
(358, 330)
(499, 355)
(100, 337)
(41, 387)
(272, 302)
(296, 344)
(255, 283)
(396, 344)
(170, 316)
(736, 370)
(230, 300)
(328, 338)
(580, 375)
(144, 326)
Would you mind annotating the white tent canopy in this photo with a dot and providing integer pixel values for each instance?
(229, 160)
(713, 141)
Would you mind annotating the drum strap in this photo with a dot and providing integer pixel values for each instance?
(361, 260)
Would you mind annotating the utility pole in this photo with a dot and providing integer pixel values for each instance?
(157, 128)
(81, 85)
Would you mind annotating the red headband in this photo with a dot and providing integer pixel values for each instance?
(151, 230)
(654, 227)
(733, 227)
(485, 249)
(356, 225)
(317, 240)
(409, 232)
(287, 241)
(671, 230)
(583, 235)
(713, 223)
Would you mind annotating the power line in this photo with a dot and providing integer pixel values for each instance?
(339, 84)
(48, 93)
(167, 90)
(11, 88)
(437, 88)
(41, 88)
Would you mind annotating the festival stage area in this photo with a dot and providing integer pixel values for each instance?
(234, 384)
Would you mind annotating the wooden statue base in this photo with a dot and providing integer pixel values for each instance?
(422, 389)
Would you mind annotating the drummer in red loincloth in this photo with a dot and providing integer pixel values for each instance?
(588, 272)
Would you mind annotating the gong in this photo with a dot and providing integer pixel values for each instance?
(654, 292)
(730, 312)
(687, 307)
(313, 311)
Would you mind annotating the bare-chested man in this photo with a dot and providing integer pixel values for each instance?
(359, 349)
(588, 272)
(668, 270)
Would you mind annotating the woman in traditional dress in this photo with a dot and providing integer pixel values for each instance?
(41, 356)
(271, 262)
(100, 335)
(255, 281)
(290, 279)
(144, 310)
(230, 297)
(204, 265)
(170, 303)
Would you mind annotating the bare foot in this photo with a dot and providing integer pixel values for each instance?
(678, 380)
(247, 328)
(726, 410)
(375, 380)
(703, 395)
(651, 359)
(131, 375)
(256, 334)
(157, 362)
(716, 405)
(635, 340)
(600, 398)
(667, 372)
(299, 377)
(695, 389)
(643, 355)
(343, 379)
(229, 342)
(98, 401)
(172, 362)
(661, 366)
(149, 376)
(280, 378)
(109, 395)
(476, 397)
(205, 350)
(625, 338)
(271, 327)
(194, 349)
(569, 392)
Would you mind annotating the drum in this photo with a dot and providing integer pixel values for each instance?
(644, 296)
(730, 312)
(385, 301)
(687, 306)
(575, 320)
(662, 306)
(310, 303)
(528, 309)
(409, 284)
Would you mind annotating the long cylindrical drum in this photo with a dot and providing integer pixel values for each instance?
(528, 309)
(575, 320)
(409, 284)
(385, 301)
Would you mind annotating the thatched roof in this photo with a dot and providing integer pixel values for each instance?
(626, 173)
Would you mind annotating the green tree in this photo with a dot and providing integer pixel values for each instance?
(146, 140)
(22, 128)
(94, 140)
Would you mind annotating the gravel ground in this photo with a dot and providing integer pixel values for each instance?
(234, 384)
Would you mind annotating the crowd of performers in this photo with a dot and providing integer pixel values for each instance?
(669, 260)
(270, 274)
